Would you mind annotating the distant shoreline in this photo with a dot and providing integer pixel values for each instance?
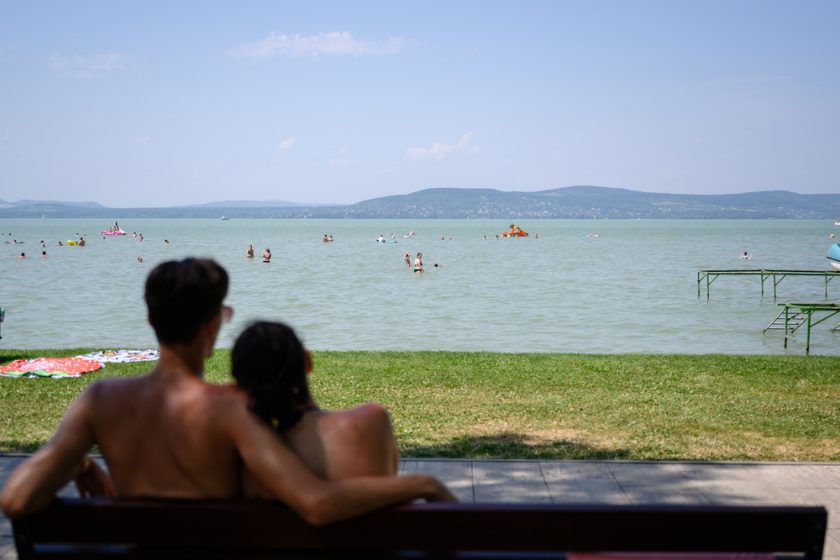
(459, 204)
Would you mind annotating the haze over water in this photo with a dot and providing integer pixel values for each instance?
(632, 288)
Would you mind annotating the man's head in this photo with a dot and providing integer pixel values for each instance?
(183, 296)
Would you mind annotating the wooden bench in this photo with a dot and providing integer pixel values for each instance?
(76, 528)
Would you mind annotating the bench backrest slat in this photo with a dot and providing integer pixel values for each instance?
(442, 527)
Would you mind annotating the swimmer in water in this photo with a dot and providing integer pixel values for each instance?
(407, 260)
(266, 255)
(746, 256)
(418, 263)
(249, 252)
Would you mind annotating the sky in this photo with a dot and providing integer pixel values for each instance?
(139, 104)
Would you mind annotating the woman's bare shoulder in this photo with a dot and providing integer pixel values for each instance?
(360, 421)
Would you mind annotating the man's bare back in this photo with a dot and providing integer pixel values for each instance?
(188, 455)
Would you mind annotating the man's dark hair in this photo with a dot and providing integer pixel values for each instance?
(182, 296)
(269, 362)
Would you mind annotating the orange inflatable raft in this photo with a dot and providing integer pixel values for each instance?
(514, 231)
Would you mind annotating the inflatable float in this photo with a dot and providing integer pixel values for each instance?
(113, 232)
(514, 231)
(833, 256)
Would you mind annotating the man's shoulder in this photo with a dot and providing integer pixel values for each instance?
(113, 385)
(224, 394)
(224, 401)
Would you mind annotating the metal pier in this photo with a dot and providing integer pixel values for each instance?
(777, 275)
(794, 315)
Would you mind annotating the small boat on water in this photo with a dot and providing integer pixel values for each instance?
(833, 255)
(837, 222)
(225, 218)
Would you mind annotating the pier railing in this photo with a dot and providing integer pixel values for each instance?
(776, 274)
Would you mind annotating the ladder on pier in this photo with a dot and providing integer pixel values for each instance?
(794, 315)
(787, 322)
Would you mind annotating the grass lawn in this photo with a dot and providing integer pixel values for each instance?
(553, 406)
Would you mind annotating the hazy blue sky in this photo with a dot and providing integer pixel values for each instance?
(165, 103)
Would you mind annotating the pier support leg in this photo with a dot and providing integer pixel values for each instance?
(786, 326)
(808, 336)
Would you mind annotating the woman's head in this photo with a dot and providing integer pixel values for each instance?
(270, 363)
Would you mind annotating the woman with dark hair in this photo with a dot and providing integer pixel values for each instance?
(271, 364)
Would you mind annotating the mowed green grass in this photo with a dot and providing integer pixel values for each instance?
(552, 406)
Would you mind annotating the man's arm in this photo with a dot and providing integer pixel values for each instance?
(319, 502)
(34, 483)
(92, 480)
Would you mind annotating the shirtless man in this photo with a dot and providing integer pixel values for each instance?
(418, 263)
(169, 434)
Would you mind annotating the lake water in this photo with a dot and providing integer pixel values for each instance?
(633, 288)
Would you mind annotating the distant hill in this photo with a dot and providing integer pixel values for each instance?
(56, 203)
(591, 203)
(255, 204)
(455, 203)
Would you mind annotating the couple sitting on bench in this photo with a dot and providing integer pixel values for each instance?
(169, 434)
